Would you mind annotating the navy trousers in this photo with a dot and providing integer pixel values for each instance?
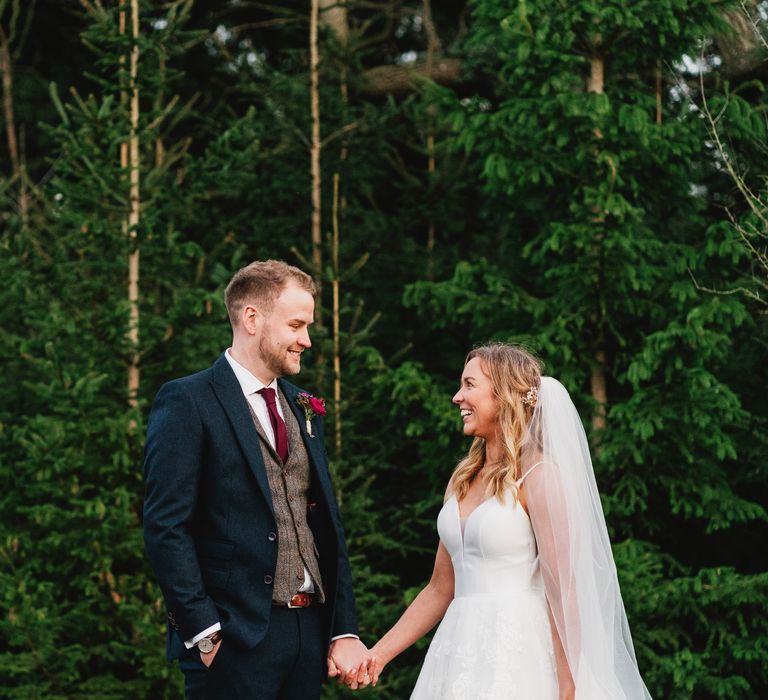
(288, 664)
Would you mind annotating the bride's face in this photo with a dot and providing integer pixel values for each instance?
(479, 408)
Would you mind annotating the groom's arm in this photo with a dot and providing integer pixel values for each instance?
(345, 617)
(344, 623)
(172, 468)
(348, 657)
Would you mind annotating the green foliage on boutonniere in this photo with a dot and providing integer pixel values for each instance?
(312, 406)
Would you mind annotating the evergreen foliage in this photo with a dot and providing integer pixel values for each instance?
(568, 188)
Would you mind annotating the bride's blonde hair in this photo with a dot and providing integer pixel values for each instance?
(513, 373)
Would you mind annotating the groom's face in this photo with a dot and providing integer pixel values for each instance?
(285, 331)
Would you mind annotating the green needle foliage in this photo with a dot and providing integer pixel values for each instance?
(565, 185)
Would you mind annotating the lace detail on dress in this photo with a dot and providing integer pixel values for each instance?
(488, 652)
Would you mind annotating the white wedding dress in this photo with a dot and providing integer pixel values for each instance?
(495, 641)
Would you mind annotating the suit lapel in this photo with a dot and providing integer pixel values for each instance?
(232, 400)
(313, 445)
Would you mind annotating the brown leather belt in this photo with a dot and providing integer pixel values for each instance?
(300, 600)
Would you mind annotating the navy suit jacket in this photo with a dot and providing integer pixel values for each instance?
(209, 528)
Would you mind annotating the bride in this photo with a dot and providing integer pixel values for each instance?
(524, 579)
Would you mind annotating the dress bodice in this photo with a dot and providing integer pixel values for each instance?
(497, 551)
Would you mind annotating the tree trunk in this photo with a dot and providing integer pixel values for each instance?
(398, 80)
(336, 319)
(17, 165)
(659, 94)
(130, 158)
(433, 46)
(743, 50)
(159, 145)
(314, 91)
(598, 382)
(333, 14)
(6, 66)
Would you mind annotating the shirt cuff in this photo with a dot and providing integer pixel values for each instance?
(189, 643)
(345, 636)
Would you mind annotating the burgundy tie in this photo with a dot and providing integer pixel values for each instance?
(278, 424)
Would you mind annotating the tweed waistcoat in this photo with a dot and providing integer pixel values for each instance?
(289, 486)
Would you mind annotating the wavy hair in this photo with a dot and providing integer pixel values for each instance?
(513, 371)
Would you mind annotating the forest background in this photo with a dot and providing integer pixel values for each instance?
(585, 177)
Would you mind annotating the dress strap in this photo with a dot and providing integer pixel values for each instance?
(519, 482)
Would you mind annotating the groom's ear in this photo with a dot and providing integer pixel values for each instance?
(251, 319)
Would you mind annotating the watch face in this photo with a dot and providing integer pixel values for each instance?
(205, 645)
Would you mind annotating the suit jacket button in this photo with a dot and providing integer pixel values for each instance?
(267, 579)
(271, 536)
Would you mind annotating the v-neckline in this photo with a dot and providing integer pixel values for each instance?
(466, 519)
(479, 505)
(463, 530)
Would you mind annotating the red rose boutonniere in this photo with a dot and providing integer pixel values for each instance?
(312, 406)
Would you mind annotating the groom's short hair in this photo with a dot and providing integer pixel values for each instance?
(260, 283)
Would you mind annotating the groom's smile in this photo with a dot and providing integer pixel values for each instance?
(284, 332)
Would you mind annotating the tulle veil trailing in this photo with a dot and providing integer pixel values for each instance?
(574, 552)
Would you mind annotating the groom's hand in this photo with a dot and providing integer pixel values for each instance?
(349, 660)
(207, 659)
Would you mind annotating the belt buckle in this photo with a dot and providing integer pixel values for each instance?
(294, 606)
(305, 598)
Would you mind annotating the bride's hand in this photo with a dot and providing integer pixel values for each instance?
(567, 690)
(376, 665)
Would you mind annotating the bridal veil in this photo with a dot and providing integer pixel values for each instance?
(575, 553)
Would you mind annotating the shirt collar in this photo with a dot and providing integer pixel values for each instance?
(248, 382)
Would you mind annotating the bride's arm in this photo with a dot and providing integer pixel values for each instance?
(422, 614)
(543, 500)
(545, 543)
(566, 688)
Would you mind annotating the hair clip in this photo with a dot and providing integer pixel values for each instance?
(531, 397)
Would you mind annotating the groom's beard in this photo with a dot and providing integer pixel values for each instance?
(277, 360)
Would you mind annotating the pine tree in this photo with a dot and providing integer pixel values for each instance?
(555, 184)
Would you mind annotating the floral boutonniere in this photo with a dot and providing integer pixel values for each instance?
(312, 406)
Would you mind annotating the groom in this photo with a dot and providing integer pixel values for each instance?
(240, 521)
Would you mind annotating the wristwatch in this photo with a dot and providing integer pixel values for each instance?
(206, 644)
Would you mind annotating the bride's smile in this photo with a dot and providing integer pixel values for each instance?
(476, 401)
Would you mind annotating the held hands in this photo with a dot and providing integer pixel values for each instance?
(350, 661)
(376, 664)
